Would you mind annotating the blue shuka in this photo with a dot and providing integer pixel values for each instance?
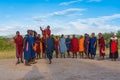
(27, 48)
(93, 40)
(68, 43)
(49, 47)
(63, 48)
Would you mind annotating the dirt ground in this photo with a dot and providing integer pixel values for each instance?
(61, 69)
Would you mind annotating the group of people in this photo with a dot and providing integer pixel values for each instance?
(33, 46)
(86, 46)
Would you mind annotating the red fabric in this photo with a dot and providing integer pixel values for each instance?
(38, 46)
(102, 46)
(74, 45)
(113, 46)
(57, 43)
(46, 32)
(19, 45)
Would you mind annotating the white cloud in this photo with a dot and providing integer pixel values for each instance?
(95, 24)
(76, 1)
(66, 12)
(70, 2)
(79, 26)
(10, 29)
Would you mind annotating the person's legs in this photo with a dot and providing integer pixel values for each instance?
(114, 56)
(64, 55)
(27, 63)
(45, 55)
(34, 61)
(17, 61)
(87, 55)
(91, 56)
(42, 55)
(73, 55)
(18, 55)
(39, 55)
(50, 60)
(68, 53)
(76, 55)
(21, 59)
(61, 55)
(82, 55)
(56, 54)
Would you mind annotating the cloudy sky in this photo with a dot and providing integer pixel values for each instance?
(64, 16)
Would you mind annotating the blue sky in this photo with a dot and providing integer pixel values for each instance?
(64, 16)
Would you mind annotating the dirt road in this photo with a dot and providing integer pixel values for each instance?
(61, 69)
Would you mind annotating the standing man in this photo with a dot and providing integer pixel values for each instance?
(81, 46)
(43, 47)
(86, 45)
(49, 48)
(29, 53)
(33, 45)
(74, 46)
(101, 45)
(63, 48)
(46, 31)
(57, 44)
(18, 39)
(68, 40)
(113, 47)
(38, 49)
(93, 45)
(27, 48)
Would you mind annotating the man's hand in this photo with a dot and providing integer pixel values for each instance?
(40, 28)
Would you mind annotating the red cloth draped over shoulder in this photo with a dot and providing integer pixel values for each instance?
(74, 45)
(48, 32)
(113, 46)
(19, 41)
(102, 46)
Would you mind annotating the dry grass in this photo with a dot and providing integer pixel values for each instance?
(12, 54)
(7, 54)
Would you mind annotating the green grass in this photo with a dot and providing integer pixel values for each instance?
(7, 48)
(6, 44)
